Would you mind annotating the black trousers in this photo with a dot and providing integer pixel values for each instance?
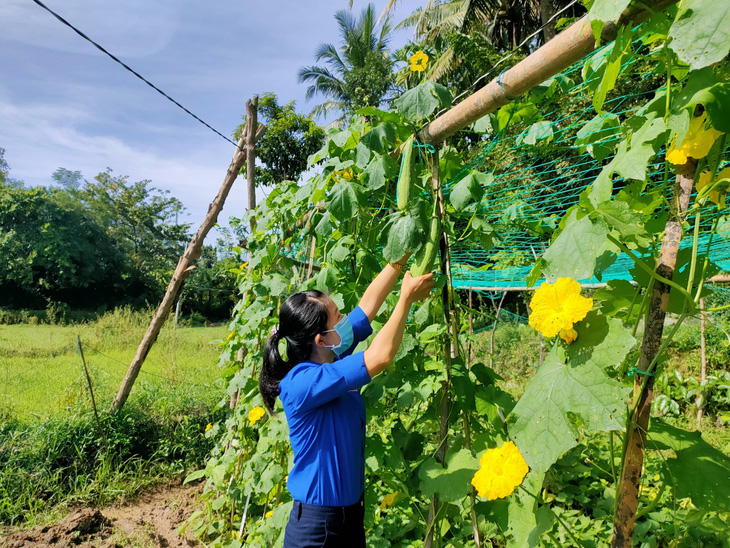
(313, 526)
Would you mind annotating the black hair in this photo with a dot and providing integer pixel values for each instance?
(301, 318)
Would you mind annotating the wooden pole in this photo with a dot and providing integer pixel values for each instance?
(628, 488)
(703, 360)
(558, 54)
(91, 393)
(251, 138)
(184, 266)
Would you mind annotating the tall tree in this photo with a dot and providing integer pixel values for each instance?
(358, 73)
(4, 167)
(289, 140)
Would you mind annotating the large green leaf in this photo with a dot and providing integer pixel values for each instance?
(380, 169)
(602, 341)
(469, 189)
(420, 102)
(624, 220)
(380, 138)
(544, 423)
(451, 483)
(526, 521)
(404, 235)
(576, 250)
(539, 131)
(699, 471)
(700, 36)
(597, 136)
(344, 200)
(703, 87)
(612, 67)
(631, 158)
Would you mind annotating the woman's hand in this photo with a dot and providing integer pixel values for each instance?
(416, 289)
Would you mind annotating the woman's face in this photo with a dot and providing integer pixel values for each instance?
(330, 338)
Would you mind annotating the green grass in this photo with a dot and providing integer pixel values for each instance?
(53, 455)
(41, 373)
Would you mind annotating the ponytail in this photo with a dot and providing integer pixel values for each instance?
(301, 318)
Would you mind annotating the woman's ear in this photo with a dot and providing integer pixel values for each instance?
(319, 340)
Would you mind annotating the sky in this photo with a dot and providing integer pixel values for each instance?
(63, 103)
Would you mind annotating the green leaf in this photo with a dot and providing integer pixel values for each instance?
(362, 155)
(612, 67)
(452, 483)
(703, 87)
(344, 200)
(420, 102)
(543, 424)
(631, 160)
(523, 513)
(603, 11)
(404, 235)
(469, 189)
(700, 35)
(324, 226)
(602, 342)
(380, 138)
(597, 136)
(384, 115)
(699, 471)
(539, 131)
(621, 218)
(576, 250)
(380, 169)
(485, 232)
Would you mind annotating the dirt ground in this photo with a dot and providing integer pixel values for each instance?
(151, 521)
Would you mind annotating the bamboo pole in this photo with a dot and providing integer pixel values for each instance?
(184, 266)
(703, 360)
(630, 480)
(558, 54)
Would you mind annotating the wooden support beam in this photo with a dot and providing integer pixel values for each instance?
(558, 54)
(184, 266)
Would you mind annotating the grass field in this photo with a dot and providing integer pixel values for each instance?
(41, 372)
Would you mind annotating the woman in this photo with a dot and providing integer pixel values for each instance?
(319, 389)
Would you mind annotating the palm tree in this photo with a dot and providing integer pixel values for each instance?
(358, 73)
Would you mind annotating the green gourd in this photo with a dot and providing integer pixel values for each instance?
(425, 257)
(405, 178)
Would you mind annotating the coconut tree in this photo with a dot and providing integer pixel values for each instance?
(356, 74)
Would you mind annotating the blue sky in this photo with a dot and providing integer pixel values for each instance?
(65, 104)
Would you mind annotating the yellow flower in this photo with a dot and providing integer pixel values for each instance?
(269, 513)
(568, 335)
(418, 61)
(243, 266)
(558, 306)
(208, 427)
(696, 143)
(230, 336)
(256, 414)
(716, 196)
(388, 500)
(501, 471)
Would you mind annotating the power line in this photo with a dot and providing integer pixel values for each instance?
(138, 75)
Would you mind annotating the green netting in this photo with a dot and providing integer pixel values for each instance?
(532, 190)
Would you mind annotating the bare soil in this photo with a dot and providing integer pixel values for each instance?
(151, 521)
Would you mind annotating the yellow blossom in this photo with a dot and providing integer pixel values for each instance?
(418, 61)
(388, 500)
(568, 335)
(256, 414)
(230, 336)
(208, 427)
(269, 513)
(243, 265)
(716, 196)
(501, 471)
(696, 143)
(558, 306)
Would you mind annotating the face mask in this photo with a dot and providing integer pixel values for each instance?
(344, 329)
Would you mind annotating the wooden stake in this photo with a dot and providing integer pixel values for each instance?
(91, 392)
(628, 489)
(703, 360)
(184, 266)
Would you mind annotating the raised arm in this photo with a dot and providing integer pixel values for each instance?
(386, 343)
(380, 287)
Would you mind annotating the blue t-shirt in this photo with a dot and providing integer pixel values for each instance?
(326, 417)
